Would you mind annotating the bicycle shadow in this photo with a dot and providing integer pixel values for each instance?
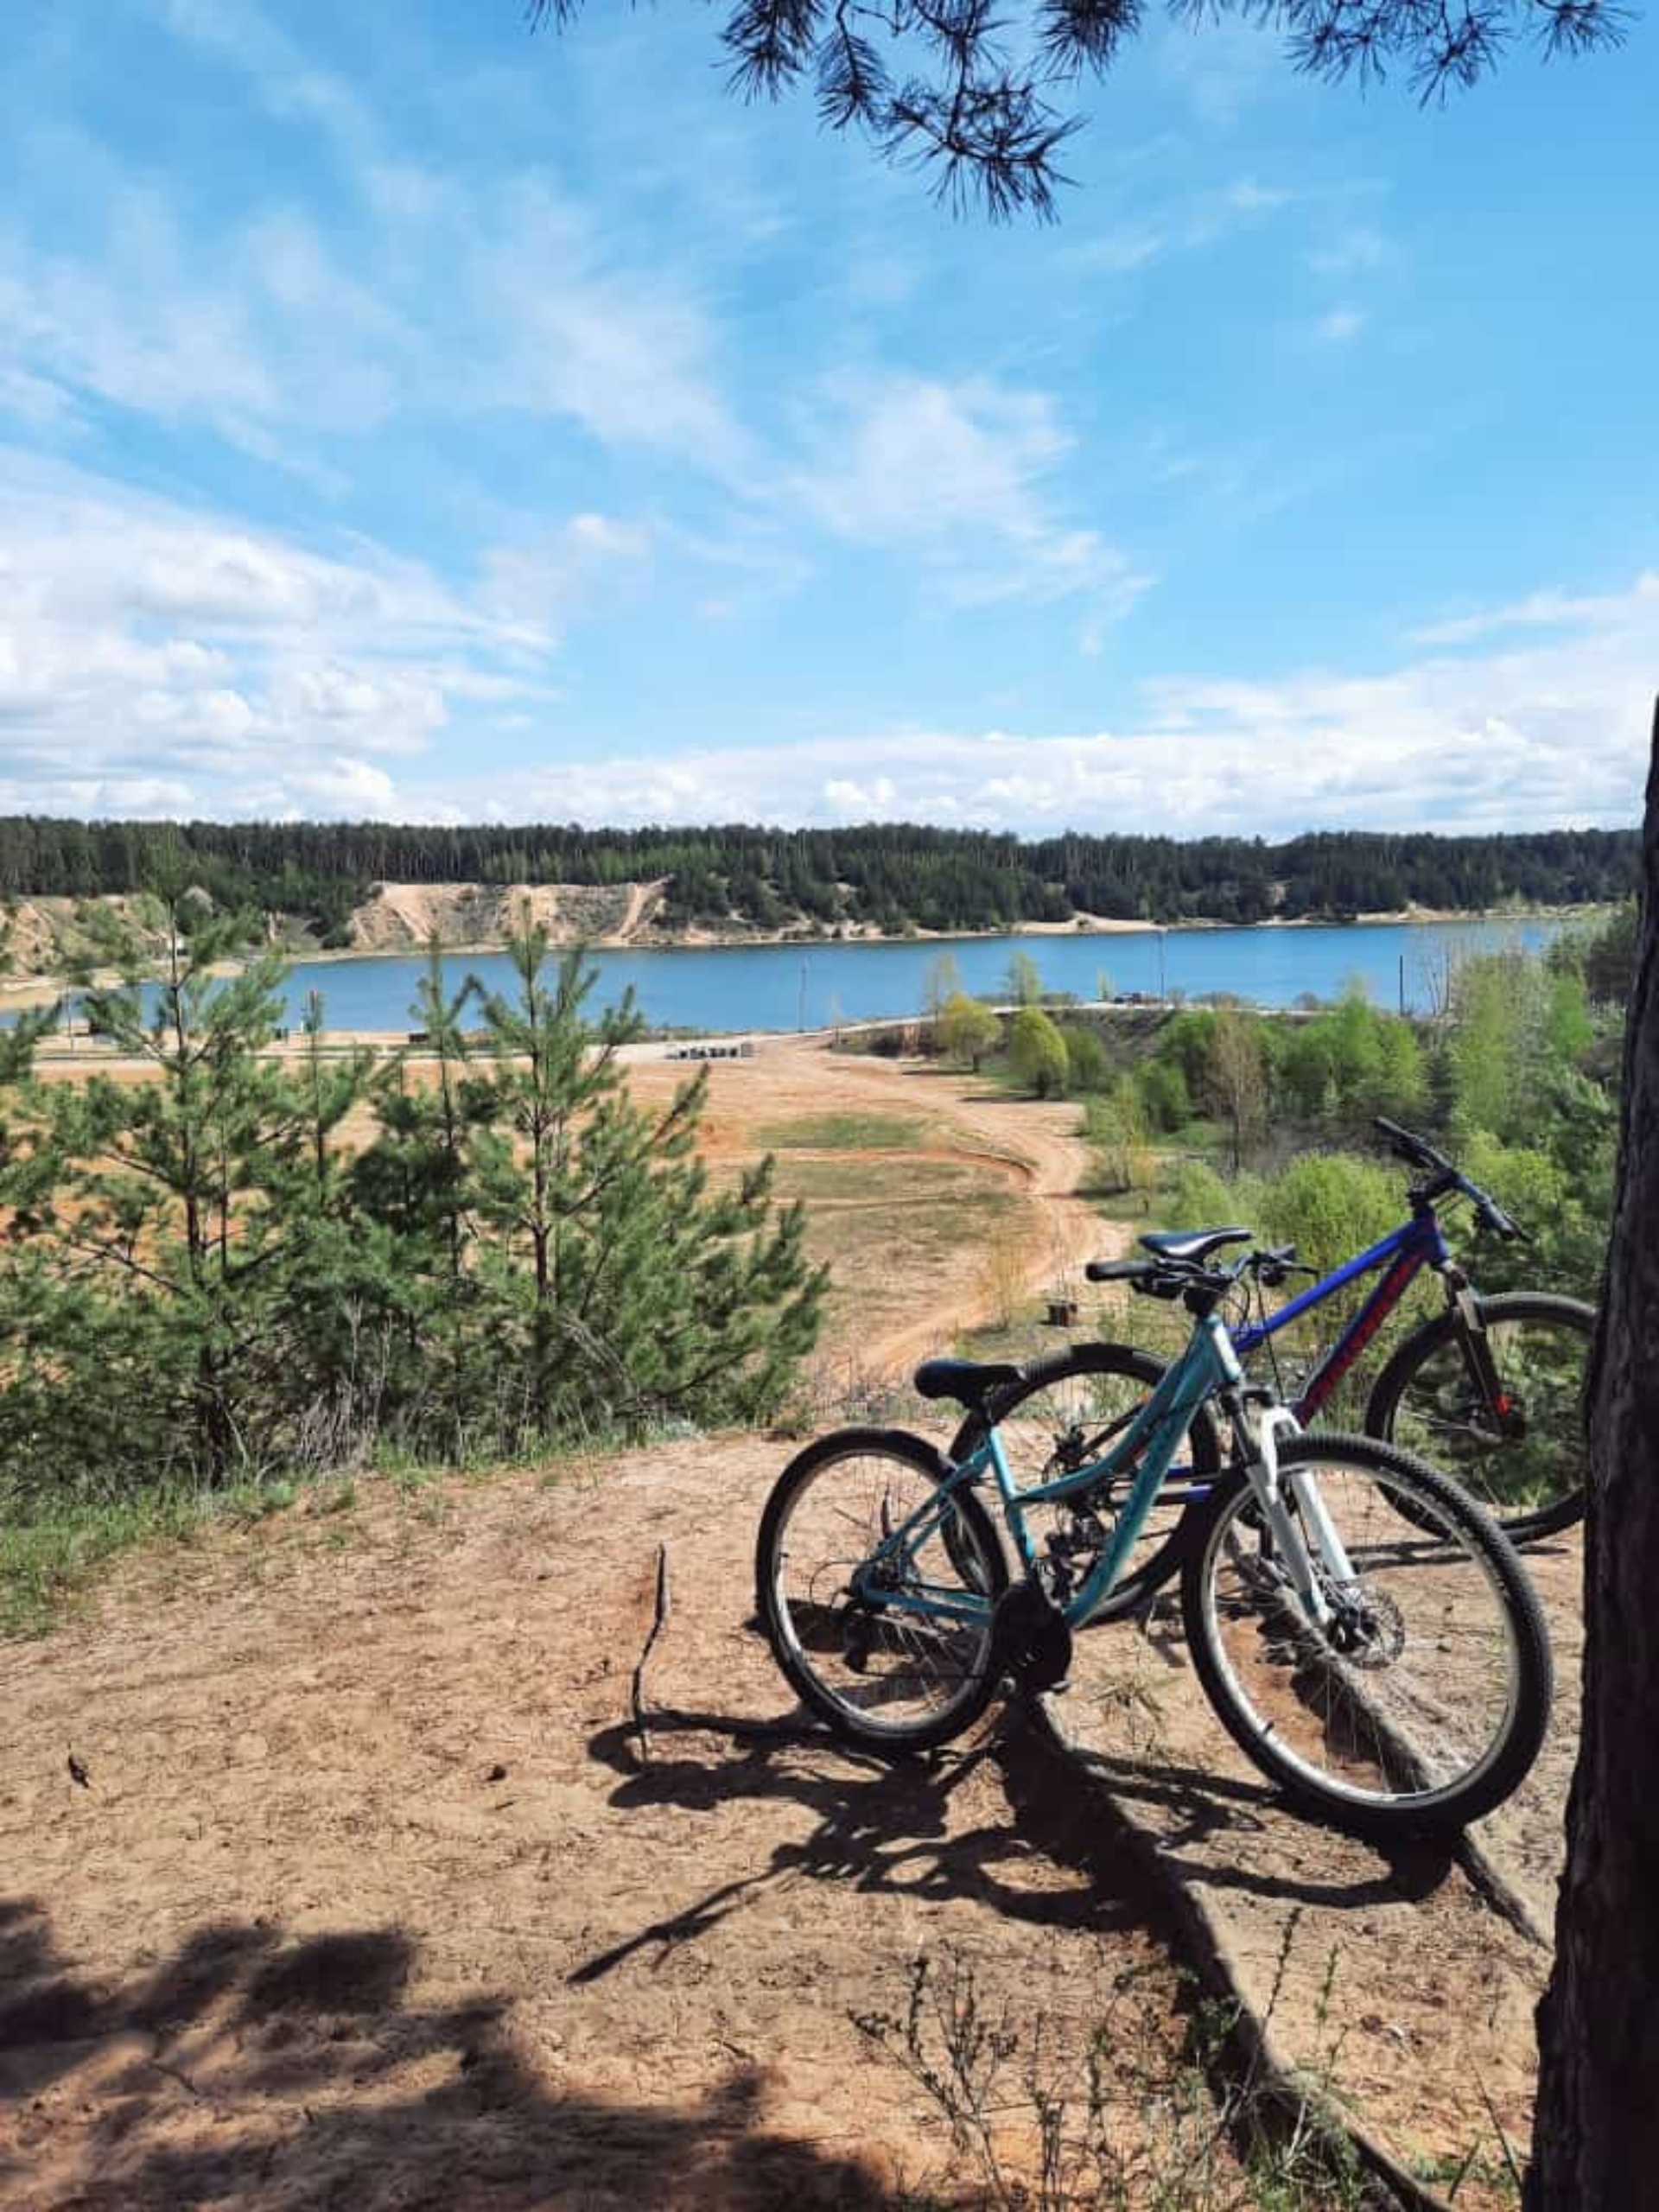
(249, 2066)
(881, 1826)
(877, 1827)
(1187, 1807)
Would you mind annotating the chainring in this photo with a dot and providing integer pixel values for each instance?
(1033, 1635)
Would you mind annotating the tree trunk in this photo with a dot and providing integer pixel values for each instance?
(1597, 2138)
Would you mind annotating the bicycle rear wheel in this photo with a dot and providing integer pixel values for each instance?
(881, 1675)
(1526, 1463)
(1420, 1704)
(1071, 1410)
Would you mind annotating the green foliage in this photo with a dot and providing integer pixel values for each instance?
(892, 874)
(1602, 956)
(967, 1029)
(207, 1282)
(1087, 1065)
(1197, 1197)
(1022, 984)
(1330, 1205)
(1237, 1077)
(1517, 1027)
(1350, 1063)
(1037, 1056)
(1165, 1099)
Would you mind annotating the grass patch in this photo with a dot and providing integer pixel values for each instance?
(841, 1133)
(52, 1556)
(48, 1562)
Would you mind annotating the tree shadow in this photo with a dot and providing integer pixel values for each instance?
(250, 2068)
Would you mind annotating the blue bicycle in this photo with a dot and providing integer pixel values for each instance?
(1360, 1626)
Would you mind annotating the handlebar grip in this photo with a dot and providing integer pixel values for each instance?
(1119, 1270)
(1407, 1145)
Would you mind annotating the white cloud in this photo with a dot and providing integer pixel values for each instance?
(1355, 250)
(545, 577)
(963, 475)
(1544, 610)
(159, 660)
(1182, 222)
(1340, 326)
(436, 298)
(1554, 734)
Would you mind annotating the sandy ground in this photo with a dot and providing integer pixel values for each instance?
(373, 1896)
(1403, 1980)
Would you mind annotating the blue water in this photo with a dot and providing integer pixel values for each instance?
(794, 986)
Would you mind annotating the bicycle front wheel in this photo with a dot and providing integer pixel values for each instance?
(861, 1646)
(1421, 1702)
(1525, 1457)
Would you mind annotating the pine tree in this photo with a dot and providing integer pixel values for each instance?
(161, 1231)
(625, 1287)
(415, 1183)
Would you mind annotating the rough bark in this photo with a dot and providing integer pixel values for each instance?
(1597, 2138)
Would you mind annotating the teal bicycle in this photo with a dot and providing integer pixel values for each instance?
(1361, 1628)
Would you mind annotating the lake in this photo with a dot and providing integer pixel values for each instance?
(813, 986)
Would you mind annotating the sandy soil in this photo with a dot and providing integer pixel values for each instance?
(892, 1315)
(373, 1896)
(406, 917)
(1403, 1980)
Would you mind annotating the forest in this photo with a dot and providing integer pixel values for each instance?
(892, 877)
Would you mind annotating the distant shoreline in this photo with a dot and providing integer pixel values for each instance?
(40, 989)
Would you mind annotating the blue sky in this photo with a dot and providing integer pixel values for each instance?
(401, 415)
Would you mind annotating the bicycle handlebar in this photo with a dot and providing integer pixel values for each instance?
(1444, 1176)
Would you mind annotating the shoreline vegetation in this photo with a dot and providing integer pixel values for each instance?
(72, 891)
(40, 987)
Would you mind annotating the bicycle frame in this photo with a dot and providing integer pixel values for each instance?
(1208, 1364)
(1401, 1254)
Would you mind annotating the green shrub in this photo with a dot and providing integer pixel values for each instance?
(1037, 1056)
(1087, 1065)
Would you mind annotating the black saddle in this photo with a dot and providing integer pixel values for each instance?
(1193, 1243)
(970, 1382)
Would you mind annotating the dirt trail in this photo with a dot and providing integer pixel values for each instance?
(1038, 1146)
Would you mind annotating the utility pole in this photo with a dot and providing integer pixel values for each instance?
(801, 1018)
(1163, 994)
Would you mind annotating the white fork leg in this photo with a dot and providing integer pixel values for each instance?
(1263, 1472)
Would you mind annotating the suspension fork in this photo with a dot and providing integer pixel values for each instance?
(1270, 1484)
(1470, 1327)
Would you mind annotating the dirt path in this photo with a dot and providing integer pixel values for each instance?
(1037, 1146)
(372, 1898)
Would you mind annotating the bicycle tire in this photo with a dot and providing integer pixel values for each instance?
(1537, 1310)
(1323, 1698)
(780, 1615)
(1164, 1544)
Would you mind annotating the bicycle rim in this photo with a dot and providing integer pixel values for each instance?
(875, 1668)
(1409, 1708)
(1527, 1466)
